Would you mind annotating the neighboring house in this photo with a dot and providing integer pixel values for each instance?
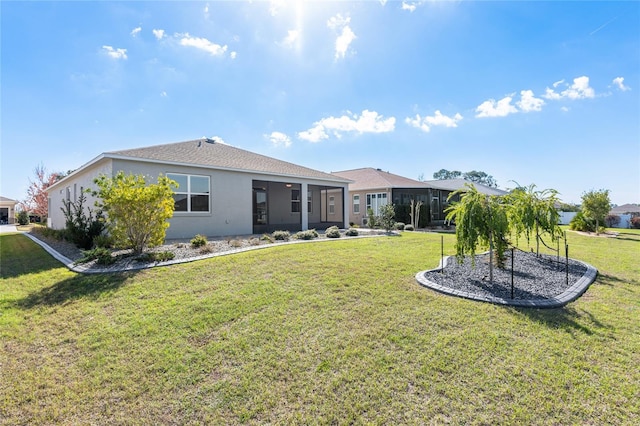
(626, 212)
(222, 190)
(7, 210)
(373, 188)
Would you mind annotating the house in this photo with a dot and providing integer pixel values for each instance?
(625, 212)
(373, 188)
(223, 190)
(7, 210)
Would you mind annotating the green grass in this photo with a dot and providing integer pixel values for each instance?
(335, 332)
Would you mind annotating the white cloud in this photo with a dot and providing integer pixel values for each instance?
(619, 82)
(528, 102)
(115, 53)
(367, 122)
(163, 94)
(291, 38)
(346, 35)
(564, 109)
(492, 108)
(206, 11)
(438, 119)
(408, 6)
(135, 31)
(580, 89)
(202, 44)
(279, 139)
(159, 34)
(383, 2)
(233, 55)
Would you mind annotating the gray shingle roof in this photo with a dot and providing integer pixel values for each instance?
(370, 178)
(7, 200)
(213, 154)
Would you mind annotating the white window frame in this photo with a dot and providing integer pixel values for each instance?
(376, 200)
(332, 204)
(189, 193)
(356, 203)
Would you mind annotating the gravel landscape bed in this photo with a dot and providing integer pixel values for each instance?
(535, 277)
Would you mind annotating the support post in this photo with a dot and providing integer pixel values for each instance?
(566, 266)
(512, 256)
(442, 254)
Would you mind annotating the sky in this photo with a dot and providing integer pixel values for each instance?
(543, 93)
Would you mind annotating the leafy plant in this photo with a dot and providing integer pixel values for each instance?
(332, 232)
(372, 220)
(80, 226)
(137, 213)
(22, 218)
(267, 237)
(399, 226)
(235, 243)
(309, 234)
(102, 240)
(281, 235)
(409, 228)
(596, 205)
(387, 217)
(198, 241)
(101, 255)
(156, 256)
(580, 222)
(635, 222)
(351, 232)
(480, 219)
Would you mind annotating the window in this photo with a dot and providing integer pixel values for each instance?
(332, 205)
(192, 194)
(295, 201)
(375, 201)
(356, 204)
(309, 206)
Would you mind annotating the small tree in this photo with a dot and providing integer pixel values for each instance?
(480, 219)
(532, 211)
(387, 217)
(81, 226)
(596, 205)
(37, 201)
(137, 213)
(23, 217)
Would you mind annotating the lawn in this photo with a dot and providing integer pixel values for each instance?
(337, 332)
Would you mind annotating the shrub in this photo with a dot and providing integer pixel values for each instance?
(103, 241)
(254, 241)
(198, 241)
(408, 228)
(235, 243)
(309, 234)
(372, 220)
(267, 237)
(582, 223)
(156, 256)
(351, 232)
(332, 232)
(635, 222)
(206, 249)
(387, 217)
(399, 226)
(101, 255)
(612, 220)
(281, 235)
(23, 218)
(80, 225)
(56, 234)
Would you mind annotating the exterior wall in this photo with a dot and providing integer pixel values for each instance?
(74, 185)
(230, 199)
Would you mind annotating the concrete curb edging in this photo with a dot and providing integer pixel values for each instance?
(82, 269)
(569, 295)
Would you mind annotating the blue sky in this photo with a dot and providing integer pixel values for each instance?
(534, 92)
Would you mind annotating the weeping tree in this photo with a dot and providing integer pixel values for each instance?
(532, 212)
(480, 220)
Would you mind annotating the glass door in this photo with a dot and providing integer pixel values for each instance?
(260, 213)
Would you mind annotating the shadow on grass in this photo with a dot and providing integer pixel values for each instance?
(565, 318)
(76, 287)
(608, 280)
(19, 256)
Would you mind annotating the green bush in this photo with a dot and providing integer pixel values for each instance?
(101, 255)
(198, 241)
(23, 218)
(80, 225)
(580, 222)
(408, 228)
(281, 235)
(332, 232)
(159, 256)
(387, 217)
(351, 232)
(56, 234)
(372, 220)
(103, 241)
(635, 222)
(309, 234)
(267, 237)
(399, 226)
